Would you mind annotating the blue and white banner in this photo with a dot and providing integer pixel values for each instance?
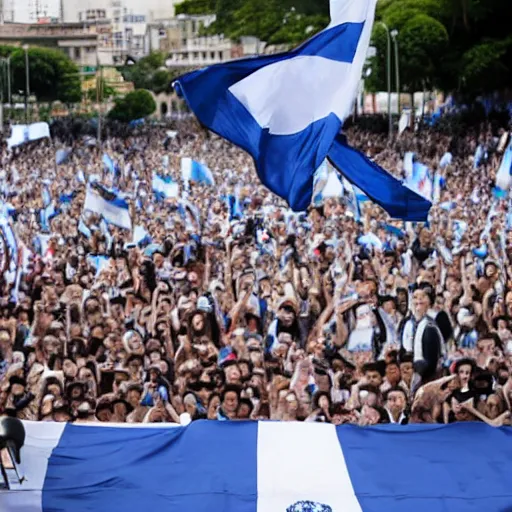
(23, 133)
(286, 110)
(164, 186)
(196, 172)
(262, 467)
(109, 205)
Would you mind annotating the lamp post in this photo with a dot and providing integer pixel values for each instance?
(9, 93)
(27, 82)
(394, 35)
(388, 59)
(6, 80)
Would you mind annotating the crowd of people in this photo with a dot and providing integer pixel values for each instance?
(232, 307)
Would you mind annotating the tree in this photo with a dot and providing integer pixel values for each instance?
(485, 68)
(102, 91)
(135, 105)
(196, 7)
(53, 76)
(260, 18)
(150, 73)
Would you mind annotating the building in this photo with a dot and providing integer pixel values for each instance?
(79, 42)
(31, 11)
(166, 35)
(183, 40)
(76, 10)
(201, 51)
(129, 19)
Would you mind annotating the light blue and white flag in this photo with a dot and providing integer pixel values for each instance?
(420, 181)
(196, 172)
(12, 246)
(408, 163)
(446, 160)
(286, 110)
(503, 176)
(46, 196)
(262, 467)
(82, 228)
(23, 133)
(141, 236)
(480, 153)
(62, 155)
(351, 197)
(46, 215)
(164, 186)
(109, 163)
(109, 205)
(99, 262)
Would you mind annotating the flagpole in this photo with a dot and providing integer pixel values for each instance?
(388, 66)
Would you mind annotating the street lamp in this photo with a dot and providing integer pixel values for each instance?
(27, 82)
(394, 35)
(388, 59)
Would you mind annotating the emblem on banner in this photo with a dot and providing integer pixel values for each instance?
(308, 506)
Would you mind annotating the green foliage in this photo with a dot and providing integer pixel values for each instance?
(195, 7)
(135, 105)
(298, 28)
(455, 45)
(485, 65)
(150, 73)
(102, 91)
(53, 76)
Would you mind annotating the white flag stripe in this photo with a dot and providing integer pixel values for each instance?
(41, 438)
(342, 11)
(291, 469)
(300, 91)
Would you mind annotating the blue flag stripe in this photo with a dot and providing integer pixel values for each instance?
(205, 467)
(398, 200)
(463, 467)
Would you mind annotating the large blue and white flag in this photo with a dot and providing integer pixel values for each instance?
(109, 205)
(263, 467)
(196, 172)
(287, 110)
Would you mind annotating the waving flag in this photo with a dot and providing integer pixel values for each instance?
(287, 109)
(196, 171)
(164, 186)
(420, 181)
(503, 176)
(62, 155)
(109, 205)
(263, 467)
(109, 163)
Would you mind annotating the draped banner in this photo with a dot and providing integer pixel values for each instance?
(263, 467)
